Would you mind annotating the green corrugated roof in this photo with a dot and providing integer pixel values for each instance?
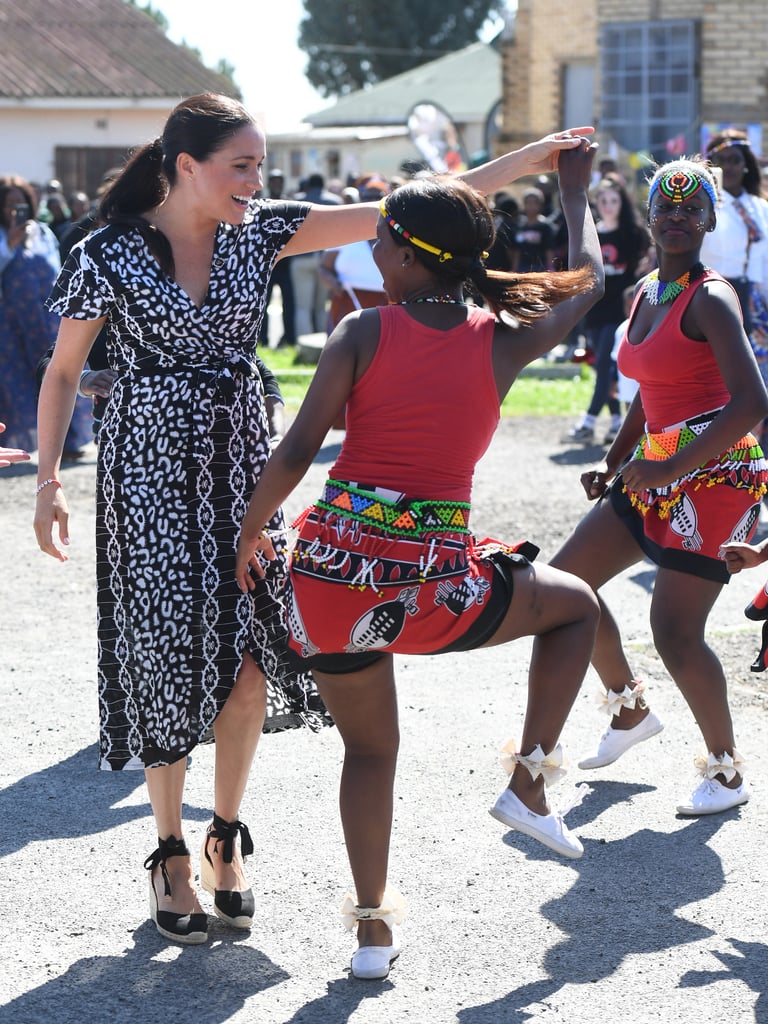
(464, 84)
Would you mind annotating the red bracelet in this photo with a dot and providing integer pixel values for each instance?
(50, 480)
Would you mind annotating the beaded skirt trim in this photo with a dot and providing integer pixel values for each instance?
(404, 518)
(743, 465)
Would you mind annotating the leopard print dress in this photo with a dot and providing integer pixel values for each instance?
(183, 440)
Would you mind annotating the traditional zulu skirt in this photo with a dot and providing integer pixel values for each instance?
(684, 524)
(373, 571)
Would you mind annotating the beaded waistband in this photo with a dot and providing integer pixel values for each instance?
(404, 518)
(670, 440)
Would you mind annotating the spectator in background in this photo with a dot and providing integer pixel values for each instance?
(29, 263)
(79, 204)
(624, 243)
(738, 247)
(59, 216)
(282, 276)
(349, 272)
(534, 234)
(506, 213)
(311, 296)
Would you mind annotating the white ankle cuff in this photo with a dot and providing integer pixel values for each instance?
(392, 910)
(727, 765)
(611, 701)
(550, 766)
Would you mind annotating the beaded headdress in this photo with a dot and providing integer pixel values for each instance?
(678, 185)
(726, 144)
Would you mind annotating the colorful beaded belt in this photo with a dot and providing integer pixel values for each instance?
(404, 518)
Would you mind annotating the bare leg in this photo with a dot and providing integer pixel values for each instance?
(562, 613)
(600, 548)
(237, 730)
(679, 610)
(166, 787)
(364, 708)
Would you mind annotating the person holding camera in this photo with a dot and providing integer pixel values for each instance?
(29, 263)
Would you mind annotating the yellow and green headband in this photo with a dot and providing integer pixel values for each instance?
(441, 254)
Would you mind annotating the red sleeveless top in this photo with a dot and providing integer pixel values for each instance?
(679, 378)
(424, 412)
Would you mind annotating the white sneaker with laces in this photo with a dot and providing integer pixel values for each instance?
(549, 829)
(615, 742)
(712, 797)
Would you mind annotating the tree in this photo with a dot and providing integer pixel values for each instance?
(352, 43)
(223, 67)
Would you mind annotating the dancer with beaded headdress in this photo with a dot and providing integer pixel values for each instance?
(684, 477)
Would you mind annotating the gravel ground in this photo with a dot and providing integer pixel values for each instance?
(662, 920)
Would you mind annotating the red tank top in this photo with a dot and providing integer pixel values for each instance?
(679, 378)
(424, 412)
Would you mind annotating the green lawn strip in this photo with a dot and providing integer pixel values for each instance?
(535, 393)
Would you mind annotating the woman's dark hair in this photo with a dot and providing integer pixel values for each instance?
(451, 216)
(200, 126)
(629, 224)
(735, 137)
(13, 181)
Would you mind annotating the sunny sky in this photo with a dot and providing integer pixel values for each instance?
(259, 40)
(261, 47)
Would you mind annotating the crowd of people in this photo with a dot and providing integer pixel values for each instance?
(208, 620)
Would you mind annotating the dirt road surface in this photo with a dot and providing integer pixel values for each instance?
(663, 919)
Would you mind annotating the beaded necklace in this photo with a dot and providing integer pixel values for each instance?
(432, 298)
(659, 292)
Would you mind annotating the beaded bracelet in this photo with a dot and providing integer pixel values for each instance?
(50, 480)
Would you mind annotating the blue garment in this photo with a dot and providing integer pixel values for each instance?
(27, 331)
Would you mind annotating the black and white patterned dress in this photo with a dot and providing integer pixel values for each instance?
(183, 440)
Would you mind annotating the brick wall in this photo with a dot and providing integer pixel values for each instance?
(548, 35)
(552, 33)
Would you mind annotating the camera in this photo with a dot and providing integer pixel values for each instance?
(21, 213)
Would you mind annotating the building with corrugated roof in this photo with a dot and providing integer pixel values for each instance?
(84, 81)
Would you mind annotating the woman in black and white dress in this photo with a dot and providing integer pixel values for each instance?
(179, 275)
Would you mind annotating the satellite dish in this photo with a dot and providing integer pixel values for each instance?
(437, 138)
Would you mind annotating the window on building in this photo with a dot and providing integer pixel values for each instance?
(333, 163)
(650, 85)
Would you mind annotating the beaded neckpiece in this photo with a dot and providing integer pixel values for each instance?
(659, 292)
(432, 298)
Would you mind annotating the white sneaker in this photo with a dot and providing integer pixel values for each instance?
(615, 742)
(712, 797)
(549, 829)
(373, 962)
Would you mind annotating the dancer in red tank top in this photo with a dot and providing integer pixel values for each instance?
(386, 561)
(686, 478)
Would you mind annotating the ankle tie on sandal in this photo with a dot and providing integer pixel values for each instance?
(170, 847)
(227, 831)
(727, 765)
(392, 910)
(612, 701)
(549, 766)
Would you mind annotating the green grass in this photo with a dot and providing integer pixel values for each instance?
(560, 396)
(530, 396)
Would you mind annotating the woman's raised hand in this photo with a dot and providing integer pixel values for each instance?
(543, 156)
